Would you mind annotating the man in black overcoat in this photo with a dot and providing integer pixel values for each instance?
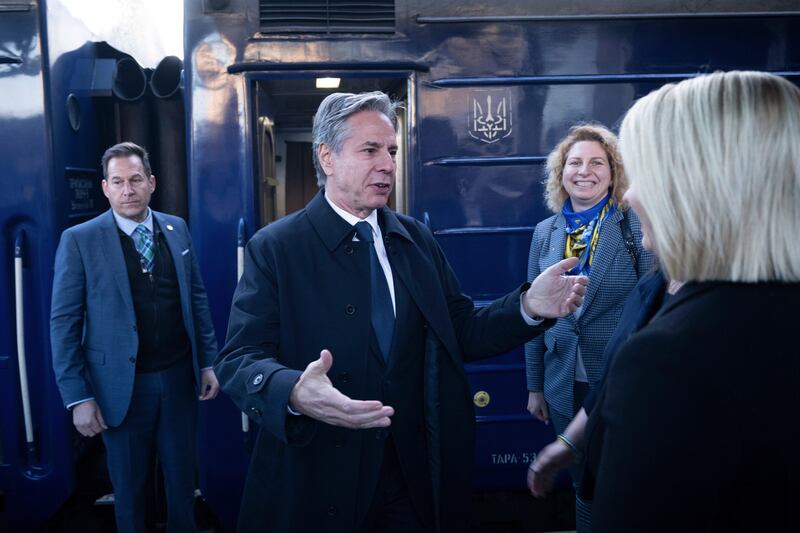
(346, 343)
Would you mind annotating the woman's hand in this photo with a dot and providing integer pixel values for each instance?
(537, 407)
(549, 462)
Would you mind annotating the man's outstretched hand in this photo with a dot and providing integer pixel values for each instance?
(552, 294)
(314, 395)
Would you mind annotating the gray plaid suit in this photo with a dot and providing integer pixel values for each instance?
(550, 358)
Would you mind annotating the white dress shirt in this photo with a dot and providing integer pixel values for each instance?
(372, 219)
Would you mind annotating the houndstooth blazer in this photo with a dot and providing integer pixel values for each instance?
(550, 358)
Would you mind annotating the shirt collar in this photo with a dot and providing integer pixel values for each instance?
(351, 219)
(128, 226)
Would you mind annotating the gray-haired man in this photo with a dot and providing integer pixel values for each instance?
(346, 342)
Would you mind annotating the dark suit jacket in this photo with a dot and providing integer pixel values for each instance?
(642, 304)
(697, 429)
(93, 324)
(303, 289)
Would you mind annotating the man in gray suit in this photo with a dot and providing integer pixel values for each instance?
(132, 339)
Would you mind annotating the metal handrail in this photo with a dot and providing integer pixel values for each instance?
(30, 442)
(240, 242)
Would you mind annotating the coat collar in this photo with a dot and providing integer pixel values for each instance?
(688, 291)
(557, 242)
(333, 229)
(114, 258)
(175, 244)
(607, 249)
(413, 268)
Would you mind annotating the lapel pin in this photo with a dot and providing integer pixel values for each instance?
(169, 227)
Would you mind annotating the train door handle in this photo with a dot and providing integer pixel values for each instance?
(22, 358)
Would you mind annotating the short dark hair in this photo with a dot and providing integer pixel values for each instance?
(126, 149)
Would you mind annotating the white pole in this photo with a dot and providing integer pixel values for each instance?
(21, 357)
(239, 272)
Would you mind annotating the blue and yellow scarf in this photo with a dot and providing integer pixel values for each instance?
(583, 232)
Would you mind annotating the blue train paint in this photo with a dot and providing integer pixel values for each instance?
(489, 88)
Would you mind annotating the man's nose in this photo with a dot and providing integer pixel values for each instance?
(127, 187)
(386, 162)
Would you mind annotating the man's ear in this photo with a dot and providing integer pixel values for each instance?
(325, 156)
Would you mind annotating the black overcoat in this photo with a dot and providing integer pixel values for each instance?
(696, 427)
(303, 290)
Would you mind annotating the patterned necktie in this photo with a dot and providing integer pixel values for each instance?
(382, 312)
(145, 247)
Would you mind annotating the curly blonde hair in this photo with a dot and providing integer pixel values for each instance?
(554, 194)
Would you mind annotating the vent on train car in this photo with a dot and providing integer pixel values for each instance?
(327, 16)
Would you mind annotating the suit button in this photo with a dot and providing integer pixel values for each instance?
(348, 249)
(132, 359)
(379, 434)
(255, 411)
(350, 309)
(331, 511)
(134, 328)
(338, 443)
(344, 377)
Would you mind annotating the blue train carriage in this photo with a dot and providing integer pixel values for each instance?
(49, 180)
(65, 95)
(488, 89)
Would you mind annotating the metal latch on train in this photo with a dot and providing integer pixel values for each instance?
(481, 398)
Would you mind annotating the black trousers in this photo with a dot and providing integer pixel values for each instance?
(392, 510)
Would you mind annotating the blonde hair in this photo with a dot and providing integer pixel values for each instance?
(715, 163)
(554, 194)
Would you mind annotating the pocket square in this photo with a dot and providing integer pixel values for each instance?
(186, 251)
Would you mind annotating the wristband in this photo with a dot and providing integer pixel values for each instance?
(571, 445)
(563, 438)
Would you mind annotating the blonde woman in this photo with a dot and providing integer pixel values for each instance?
(697, 426)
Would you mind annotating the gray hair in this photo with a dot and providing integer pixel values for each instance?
(126, 149)
(330, 122)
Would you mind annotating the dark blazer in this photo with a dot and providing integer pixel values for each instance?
(696, 427)
(303, 290)
(550, 359)
(93, 324)
(642, 304)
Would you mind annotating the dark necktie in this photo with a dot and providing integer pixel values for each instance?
(382, 312)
